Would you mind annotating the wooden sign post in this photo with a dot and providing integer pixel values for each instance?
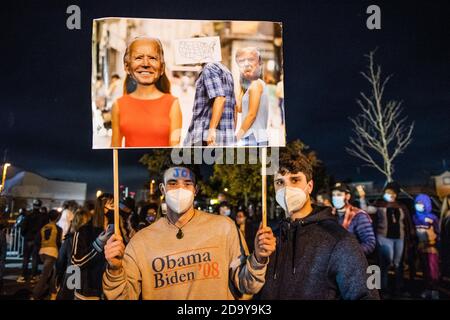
(264, 186)
(116, 191)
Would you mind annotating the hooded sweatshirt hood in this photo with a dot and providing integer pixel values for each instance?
(426, 201)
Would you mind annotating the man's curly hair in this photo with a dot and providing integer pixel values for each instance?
(294, 161)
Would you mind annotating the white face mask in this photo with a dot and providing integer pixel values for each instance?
(179, 200)
(420, 207)
(291, 199)
(388, 197)
(338, 202)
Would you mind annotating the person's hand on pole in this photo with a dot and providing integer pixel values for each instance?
(265, 244)
(114, 252)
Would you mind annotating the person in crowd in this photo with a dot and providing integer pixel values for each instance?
(50, 242)
(147, 115)
(67, 213)
(189, 254)
(224, 209)
(44, 216)
(323, 198)
(90, 206)
(254, 99)
(315, 258)
(395, 234)
(21, 217)
(353, 219)
(427, 230)
(148, 214)
(127, 208)
(213, 111)
(3, 249)
(87, 250)
(445, 237)
(80, 218)
(246, 227)
(31, 226)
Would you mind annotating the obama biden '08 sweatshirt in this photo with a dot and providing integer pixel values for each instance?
(209, 262)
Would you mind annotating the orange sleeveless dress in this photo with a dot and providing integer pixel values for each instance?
(145, 123)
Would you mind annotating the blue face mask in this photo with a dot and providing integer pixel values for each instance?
(338, 202)
(420, 207)
(388, 197)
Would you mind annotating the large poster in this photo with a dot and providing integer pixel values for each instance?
(160, 83)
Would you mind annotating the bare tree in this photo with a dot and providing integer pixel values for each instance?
(381, 132)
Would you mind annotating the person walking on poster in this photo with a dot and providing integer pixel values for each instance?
(212, 121)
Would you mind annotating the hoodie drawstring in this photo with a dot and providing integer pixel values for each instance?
(294, 247)
(282, 237)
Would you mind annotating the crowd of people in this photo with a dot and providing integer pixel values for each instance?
(395, 235)
(320, 249)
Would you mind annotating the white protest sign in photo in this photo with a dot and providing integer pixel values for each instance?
(197, 50)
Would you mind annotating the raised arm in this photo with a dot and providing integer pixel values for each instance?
(247, 273)
(122, 279)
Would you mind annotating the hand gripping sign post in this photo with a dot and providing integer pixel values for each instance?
(116, 191)
(264, 186)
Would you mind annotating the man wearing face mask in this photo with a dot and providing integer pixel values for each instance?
(395, 233)
(315, 258)
(189, 254)
(353, 219)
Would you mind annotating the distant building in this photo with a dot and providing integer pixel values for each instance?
(24, 187)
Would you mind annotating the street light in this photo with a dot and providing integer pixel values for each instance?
(226, 189)
(98, 193)
(5, 168)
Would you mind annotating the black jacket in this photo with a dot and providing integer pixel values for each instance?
(30, 226)
(91, 262)
(64, 260)
(316, 258)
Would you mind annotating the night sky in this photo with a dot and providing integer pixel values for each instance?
(46, 124)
